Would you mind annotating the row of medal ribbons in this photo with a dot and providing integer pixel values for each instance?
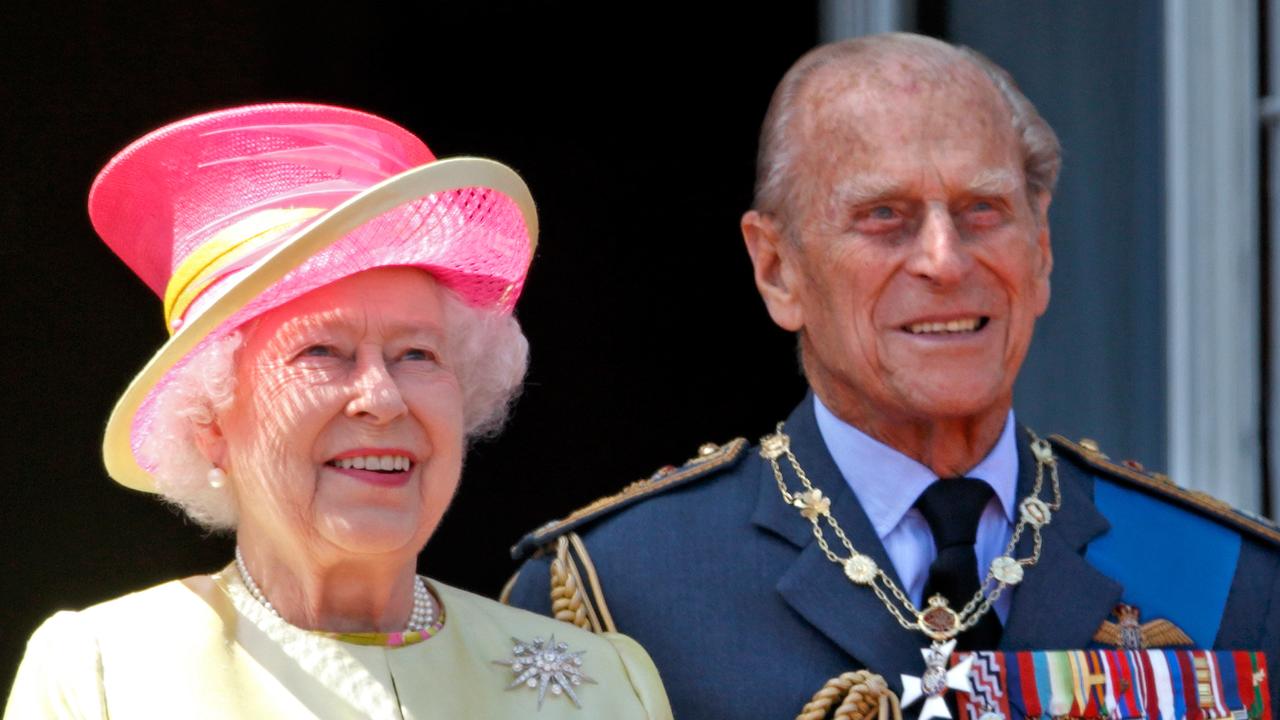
(1116, 684)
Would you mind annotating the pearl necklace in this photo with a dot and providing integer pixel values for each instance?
(422, 617)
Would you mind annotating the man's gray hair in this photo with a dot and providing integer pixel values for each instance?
(490, 355)
(779, 146)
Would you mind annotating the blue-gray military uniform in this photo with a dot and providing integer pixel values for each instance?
(725, 586)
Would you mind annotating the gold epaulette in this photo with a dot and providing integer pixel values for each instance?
(576, 593)
(1132, 472)
(710, 457)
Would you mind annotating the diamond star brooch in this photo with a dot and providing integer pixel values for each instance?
(546, 665)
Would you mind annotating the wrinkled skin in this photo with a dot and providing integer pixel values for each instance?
(356, 366)
(912, 212)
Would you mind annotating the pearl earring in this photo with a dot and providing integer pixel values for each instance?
(217, 478)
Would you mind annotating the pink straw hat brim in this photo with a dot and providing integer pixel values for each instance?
(241, 296)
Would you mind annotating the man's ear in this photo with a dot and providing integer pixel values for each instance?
(1045, 247)
(774, 258)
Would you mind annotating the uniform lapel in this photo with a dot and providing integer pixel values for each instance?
(1063, 599)
(849, 615)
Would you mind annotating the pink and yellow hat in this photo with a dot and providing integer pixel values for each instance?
(232, 213)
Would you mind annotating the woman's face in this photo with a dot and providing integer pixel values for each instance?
(346, 432)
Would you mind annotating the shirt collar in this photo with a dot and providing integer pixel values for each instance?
(866, 463)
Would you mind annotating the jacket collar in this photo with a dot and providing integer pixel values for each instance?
(1059, 604)
(1063, 599)
(849, 615)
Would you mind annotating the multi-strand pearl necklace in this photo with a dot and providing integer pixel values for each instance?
(422, 617)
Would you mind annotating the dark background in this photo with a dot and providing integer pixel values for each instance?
(636, 132)
(635, 126)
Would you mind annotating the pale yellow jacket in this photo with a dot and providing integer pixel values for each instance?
(203, 648)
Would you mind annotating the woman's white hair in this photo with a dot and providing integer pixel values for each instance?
(490, 355)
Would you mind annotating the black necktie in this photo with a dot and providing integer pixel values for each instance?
(952, 507)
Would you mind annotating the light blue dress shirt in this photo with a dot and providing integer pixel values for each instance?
(887, 483)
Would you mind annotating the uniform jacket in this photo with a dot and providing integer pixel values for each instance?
(726, 587)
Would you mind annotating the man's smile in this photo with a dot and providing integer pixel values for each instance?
(948, 327)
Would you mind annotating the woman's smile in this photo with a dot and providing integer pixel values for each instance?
(385, 467)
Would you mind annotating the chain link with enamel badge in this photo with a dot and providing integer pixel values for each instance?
(938, 621)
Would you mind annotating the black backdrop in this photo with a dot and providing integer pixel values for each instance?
(635, 127)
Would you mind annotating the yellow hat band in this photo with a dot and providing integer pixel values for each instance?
(226, 249)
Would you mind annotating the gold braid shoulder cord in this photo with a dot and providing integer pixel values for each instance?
(862, 695)
(938, 621)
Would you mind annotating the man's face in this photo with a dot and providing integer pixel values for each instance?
(919, 262)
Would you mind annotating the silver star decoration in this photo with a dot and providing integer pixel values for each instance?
(937, 679)
(546, 666)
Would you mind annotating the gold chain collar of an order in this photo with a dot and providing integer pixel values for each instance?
(938, 621)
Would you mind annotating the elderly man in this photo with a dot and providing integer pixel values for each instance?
(901, 229)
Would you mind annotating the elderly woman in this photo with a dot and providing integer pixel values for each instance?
(340, 307)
